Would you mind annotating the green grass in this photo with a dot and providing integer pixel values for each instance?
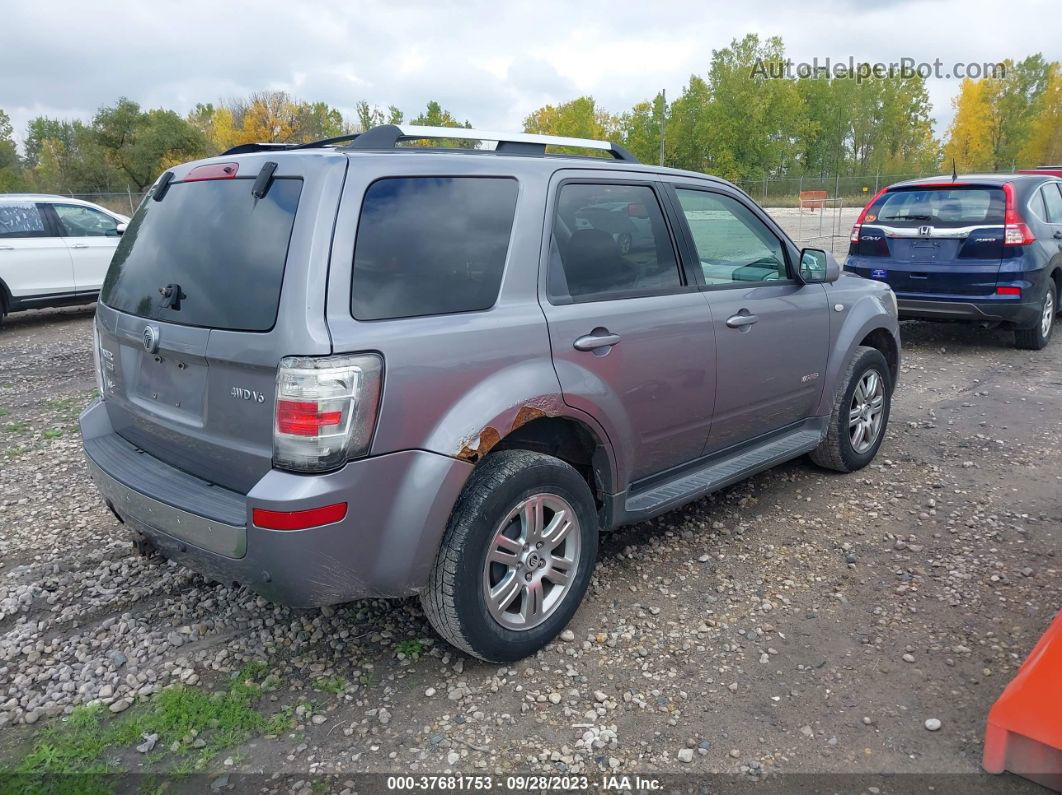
(4, 412)
(410, 648)
(15, 427)
(179, 715)
(334, 684)
(52, 433)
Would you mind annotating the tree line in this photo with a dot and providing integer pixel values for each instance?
(735, 121)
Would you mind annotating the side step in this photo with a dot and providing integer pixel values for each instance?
(720, 472)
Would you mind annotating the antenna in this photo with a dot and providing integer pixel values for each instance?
(954, 171)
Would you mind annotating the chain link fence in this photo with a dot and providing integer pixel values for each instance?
(124, 202)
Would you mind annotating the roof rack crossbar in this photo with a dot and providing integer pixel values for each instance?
(387, 136)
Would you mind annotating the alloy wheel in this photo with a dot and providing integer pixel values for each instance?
(867, 411)
(531, 561)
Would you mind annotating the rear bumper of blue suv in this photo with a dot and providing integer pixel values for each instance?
(1021, 311)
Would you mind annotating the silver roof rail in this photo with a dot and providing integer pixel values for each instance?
(388, 135)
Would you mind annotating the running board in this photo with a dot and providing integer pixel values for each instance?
(719, 473)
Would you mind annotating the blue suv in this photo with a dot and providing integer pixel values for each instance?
(986, 248)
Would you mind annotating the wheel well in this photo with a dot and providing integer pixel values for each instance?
(570, 441)
(883, 341)
(1056, 275)
(5, 298)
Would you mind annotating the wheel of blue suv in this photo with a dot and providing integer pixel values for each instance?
(1035, 338)
(516, 558)
(860, 414)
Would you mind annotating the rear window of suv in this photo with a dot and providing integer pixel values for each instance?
(938, 207)
(224, 248)
(431, 245)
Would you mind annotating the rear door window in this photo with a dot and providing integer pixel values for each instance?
(1053, 202)
(431, 245)
(938, 207)
(21, 219)
(223, 249)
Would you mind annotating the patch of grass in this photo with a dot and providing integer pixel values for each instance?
(15, 427)
(410, 648)
(52, 433)
(4, 412)
(334, 684)
(179, 715)
(282, 722)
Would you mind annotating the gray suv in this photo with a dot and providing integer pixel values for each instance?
(360, 368)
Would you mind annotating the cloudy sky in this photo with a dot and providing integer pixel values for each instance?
(489, 62)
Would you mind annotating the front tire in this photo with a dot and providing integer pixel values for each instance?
(1036, 338)
(516, 559)
(860, 414)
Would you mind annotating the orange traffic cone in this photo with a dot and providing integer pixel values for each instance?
(1024, 732)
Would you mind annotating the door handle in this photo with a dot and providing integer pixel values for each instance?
(79, 245)
(1058, 235)
(593, 341)
(739, 320)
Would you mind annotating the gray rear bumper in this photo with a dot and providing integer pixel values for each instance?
(398, 507)
(1020, 314)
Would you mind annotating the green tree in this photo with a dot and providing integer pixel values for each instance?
(1044, 143)
(369, 116)
(143, 143)
(639, 129)
(436, 116)
(1012, 99)
(11, 176)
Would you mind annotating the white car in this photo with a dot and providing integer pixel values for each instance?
(54, 251)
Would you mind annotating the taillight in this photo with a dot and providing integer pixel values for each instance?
(862, 216)
(96, 357)
(325, 410)
(1015, 231)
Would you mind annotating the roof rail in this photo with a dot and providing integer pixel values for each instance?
(386, 136)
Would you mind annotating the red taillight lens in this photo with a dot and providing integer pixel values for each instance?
(1009, 291)
(862, 215)
(212, 171)
(1015, 231)
(325, 410)
(299, 520)
(305, 419)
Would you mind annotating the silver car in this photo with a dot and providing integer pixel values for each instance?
(359, 368)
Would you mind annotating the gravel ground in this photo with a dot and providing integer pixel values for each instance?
(798, 622)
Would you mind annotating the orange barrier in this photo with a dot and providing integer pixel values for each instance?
(812, 199)
(1024, 731)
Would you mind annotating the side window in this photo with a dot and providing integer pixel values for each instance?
(85, 222)
(21, 219)
(609, 241)
(431, 245)
(1053, 200)
(733, 245)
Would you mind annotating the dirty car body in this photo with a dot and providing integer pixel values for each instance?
(191, 444)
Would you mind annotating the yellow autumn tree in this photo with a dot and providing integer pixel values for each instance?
(969, 142)
(1044, 145)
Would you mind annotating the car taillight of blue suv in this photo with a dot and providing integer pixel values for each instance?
(983, 248)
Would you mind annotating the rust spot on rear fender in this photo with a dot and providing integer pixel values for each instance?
(474, 448)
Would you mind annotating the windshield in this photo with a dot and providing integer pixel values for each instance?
(938, 207)
(211, 246)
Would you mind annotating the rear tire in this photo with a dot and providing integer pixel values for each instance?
(1036, 338)
(510, 606)
(845, 448)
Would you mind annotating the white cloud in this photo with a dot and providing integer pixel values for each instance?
(489, 62)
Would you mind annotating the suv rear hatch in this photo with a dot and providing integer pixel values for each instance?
(191, 326)
(942, 239)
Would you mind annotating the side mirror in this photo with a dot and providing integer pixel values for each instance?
(120, 229)
(818, 266)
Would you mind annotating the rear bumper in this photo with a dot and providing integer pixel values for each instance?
(1022, 315)
(398, 507)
